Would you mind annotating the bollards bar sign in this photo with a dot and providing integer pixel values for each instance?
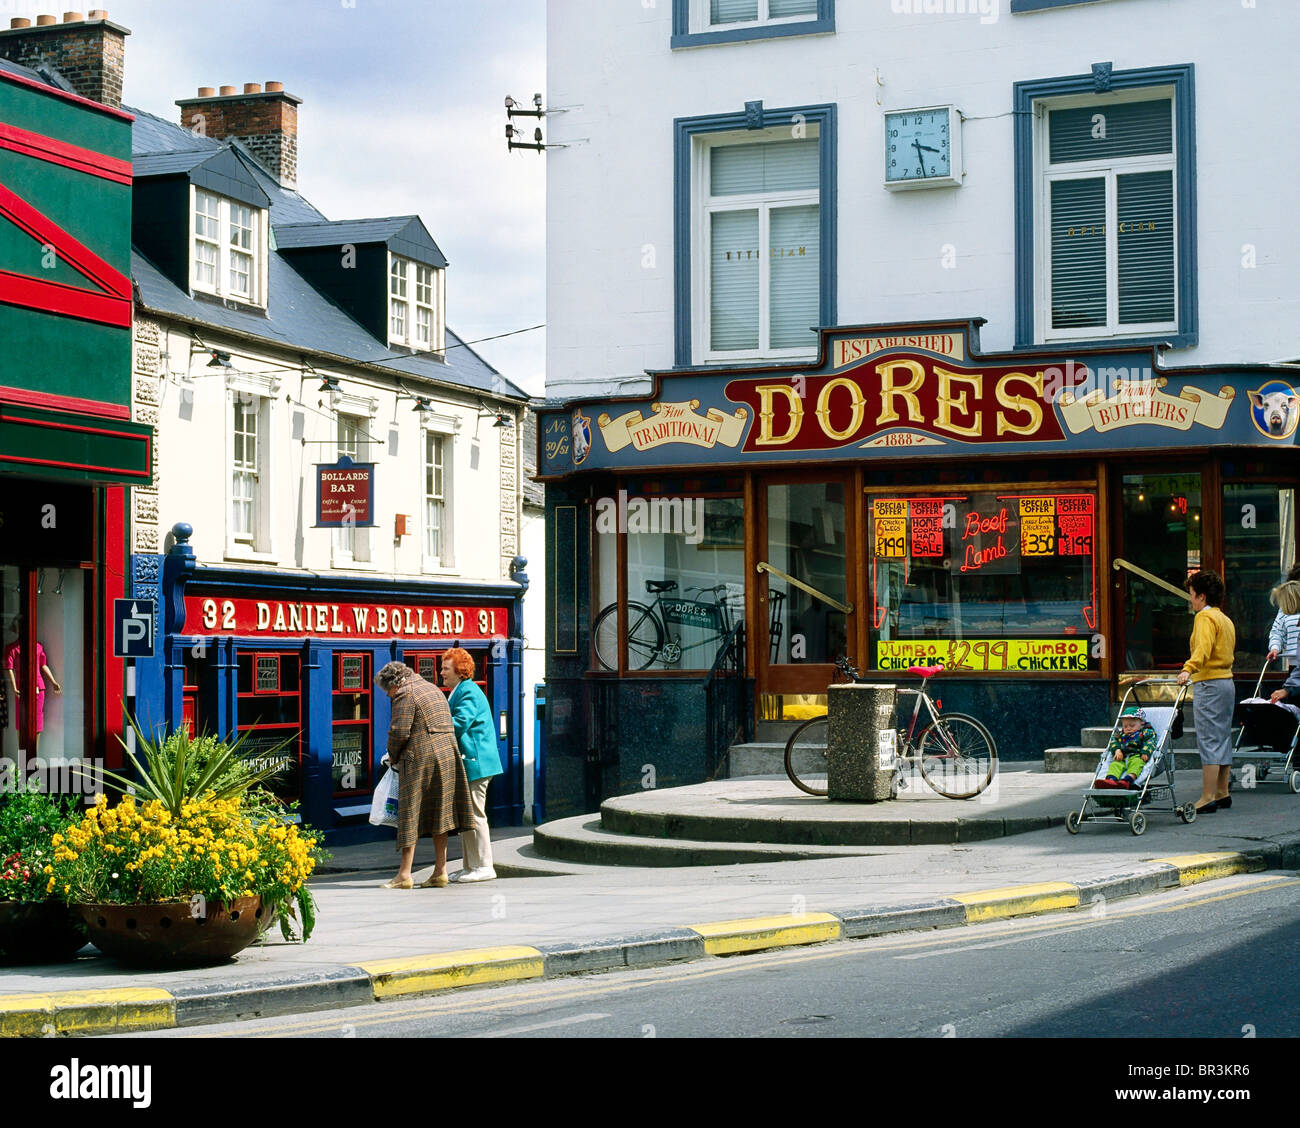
(345, 494)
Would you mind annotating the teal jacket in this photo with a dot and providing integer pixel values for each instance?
(471, 716)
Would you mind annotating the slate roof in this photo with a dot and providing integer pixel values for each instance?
(405, 234)
(47, 76)
(298, 316)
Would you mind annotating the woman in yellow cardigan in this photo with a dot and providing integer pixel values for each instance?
(1209, 669)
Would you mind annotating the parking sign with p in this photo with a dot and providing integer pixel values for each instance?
(133, 632)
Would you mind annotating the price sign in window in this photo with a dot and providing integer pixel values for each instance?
(986, 581)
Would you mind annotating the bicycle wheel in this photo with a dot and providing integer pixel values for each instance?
(958, 756)
(805, 756)
(645, 637)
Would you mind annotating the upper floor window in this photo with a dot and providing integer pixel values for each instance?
(228, 248)
(1106, 210)
(249, 525)
(1108, 227)
(437, 523)
(758, 252)
(414, 302)
(352, 542)
(755, 233)
(703, 22)
(245, 477)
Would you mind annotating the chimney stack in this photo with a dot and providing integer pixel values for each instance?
(265, 120)
(89, 52)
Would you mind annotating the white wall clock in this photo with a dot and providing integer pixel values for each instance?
(923, 148)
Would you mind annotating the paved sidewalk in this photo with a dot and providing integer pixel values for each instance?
(372, 942)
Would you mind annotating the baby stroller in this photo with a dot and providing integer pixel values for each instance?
(1266, 741)
(1161, 704)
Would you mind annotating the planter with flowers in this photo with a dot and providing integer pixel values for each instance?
(35, 926)
(191, 869)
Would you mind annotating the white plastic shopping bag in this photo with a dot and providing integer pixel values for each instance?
(383, 807)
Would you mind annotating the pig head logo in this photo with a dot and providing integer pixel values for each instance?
(1275, 409)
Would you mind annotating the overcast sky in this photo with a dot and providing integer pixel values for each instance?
(403, 113)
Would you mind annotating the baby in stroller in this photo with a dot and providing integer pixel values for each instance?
(1129, 749)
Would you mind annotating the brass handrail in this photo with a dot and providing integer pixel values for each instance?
(846, 608)
(1119, 562)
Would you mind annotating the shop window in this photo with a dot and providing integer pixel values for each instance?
(1106, 208)
(755, 236)
(700, 23)
(428, 664)
(805, 539)
(1161, 520)
(992, 580)
(1260, 548)
(57, 731)
(269, 710)
(685, 579)
(352, 704)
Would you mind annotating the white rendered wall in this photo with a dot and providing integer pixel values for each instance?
(193, 469)
(610, 194)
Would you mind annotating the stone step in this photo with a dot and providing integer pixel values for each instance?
(581, 839)
(768, 758)
(1098, 735)
(1081, 758)
(765, 732)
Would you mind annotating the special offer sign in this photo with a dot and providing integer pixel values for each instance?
(345, 494)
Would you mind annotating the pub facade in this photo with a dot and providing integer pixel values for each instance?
(966, 356)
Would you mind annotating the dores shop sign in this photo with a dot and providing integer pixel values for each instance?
(269, 618)
(882, 393)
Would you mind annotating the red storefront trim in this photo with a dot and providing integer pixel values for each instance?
(113, 567)
(47, 401)
(53, 151)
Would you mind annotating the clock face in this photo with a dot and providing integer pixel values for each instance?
(918, 145)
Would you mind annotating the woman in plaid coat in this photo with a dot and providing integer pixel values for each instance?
(434, 793)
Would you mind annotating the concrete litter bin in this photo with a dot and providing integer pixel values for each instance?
(860, 752)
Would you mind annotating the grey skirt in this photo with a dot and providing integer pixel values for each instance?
(1212, 707)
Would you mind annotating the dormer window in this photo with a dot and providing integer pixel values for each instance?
(413, 304)
(228, 248)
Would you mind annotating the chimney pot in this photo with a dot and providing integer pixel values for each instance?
(226, 91)
(274, 87)
(252, 88)
(98, 13)
(74, 17)
(206, 92)
(19, 21)
(45, 21)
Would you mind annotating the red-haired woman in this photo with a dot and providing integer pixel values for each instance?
(471, 716)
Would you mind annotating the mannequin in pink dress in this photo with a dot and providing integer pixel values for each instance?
(12, 660)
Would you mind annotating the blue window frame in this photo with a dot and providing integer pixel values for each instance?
(1100, 88)
(820, 23)
(687, 131)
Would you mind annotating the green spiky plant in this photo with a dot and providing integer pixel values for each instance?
(180, 768)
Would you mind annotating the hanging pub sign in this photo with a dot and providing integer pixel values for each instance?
(345, 494)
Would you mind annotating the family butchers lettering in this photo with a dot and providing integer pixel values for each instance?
(206, 615)
(947, 401)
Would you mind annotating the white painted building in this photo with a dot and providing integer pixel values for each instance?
(351, 469)
(791, 243)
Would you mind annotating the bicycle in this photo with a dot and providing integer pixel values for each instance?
(647, 627)
(956, 753)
